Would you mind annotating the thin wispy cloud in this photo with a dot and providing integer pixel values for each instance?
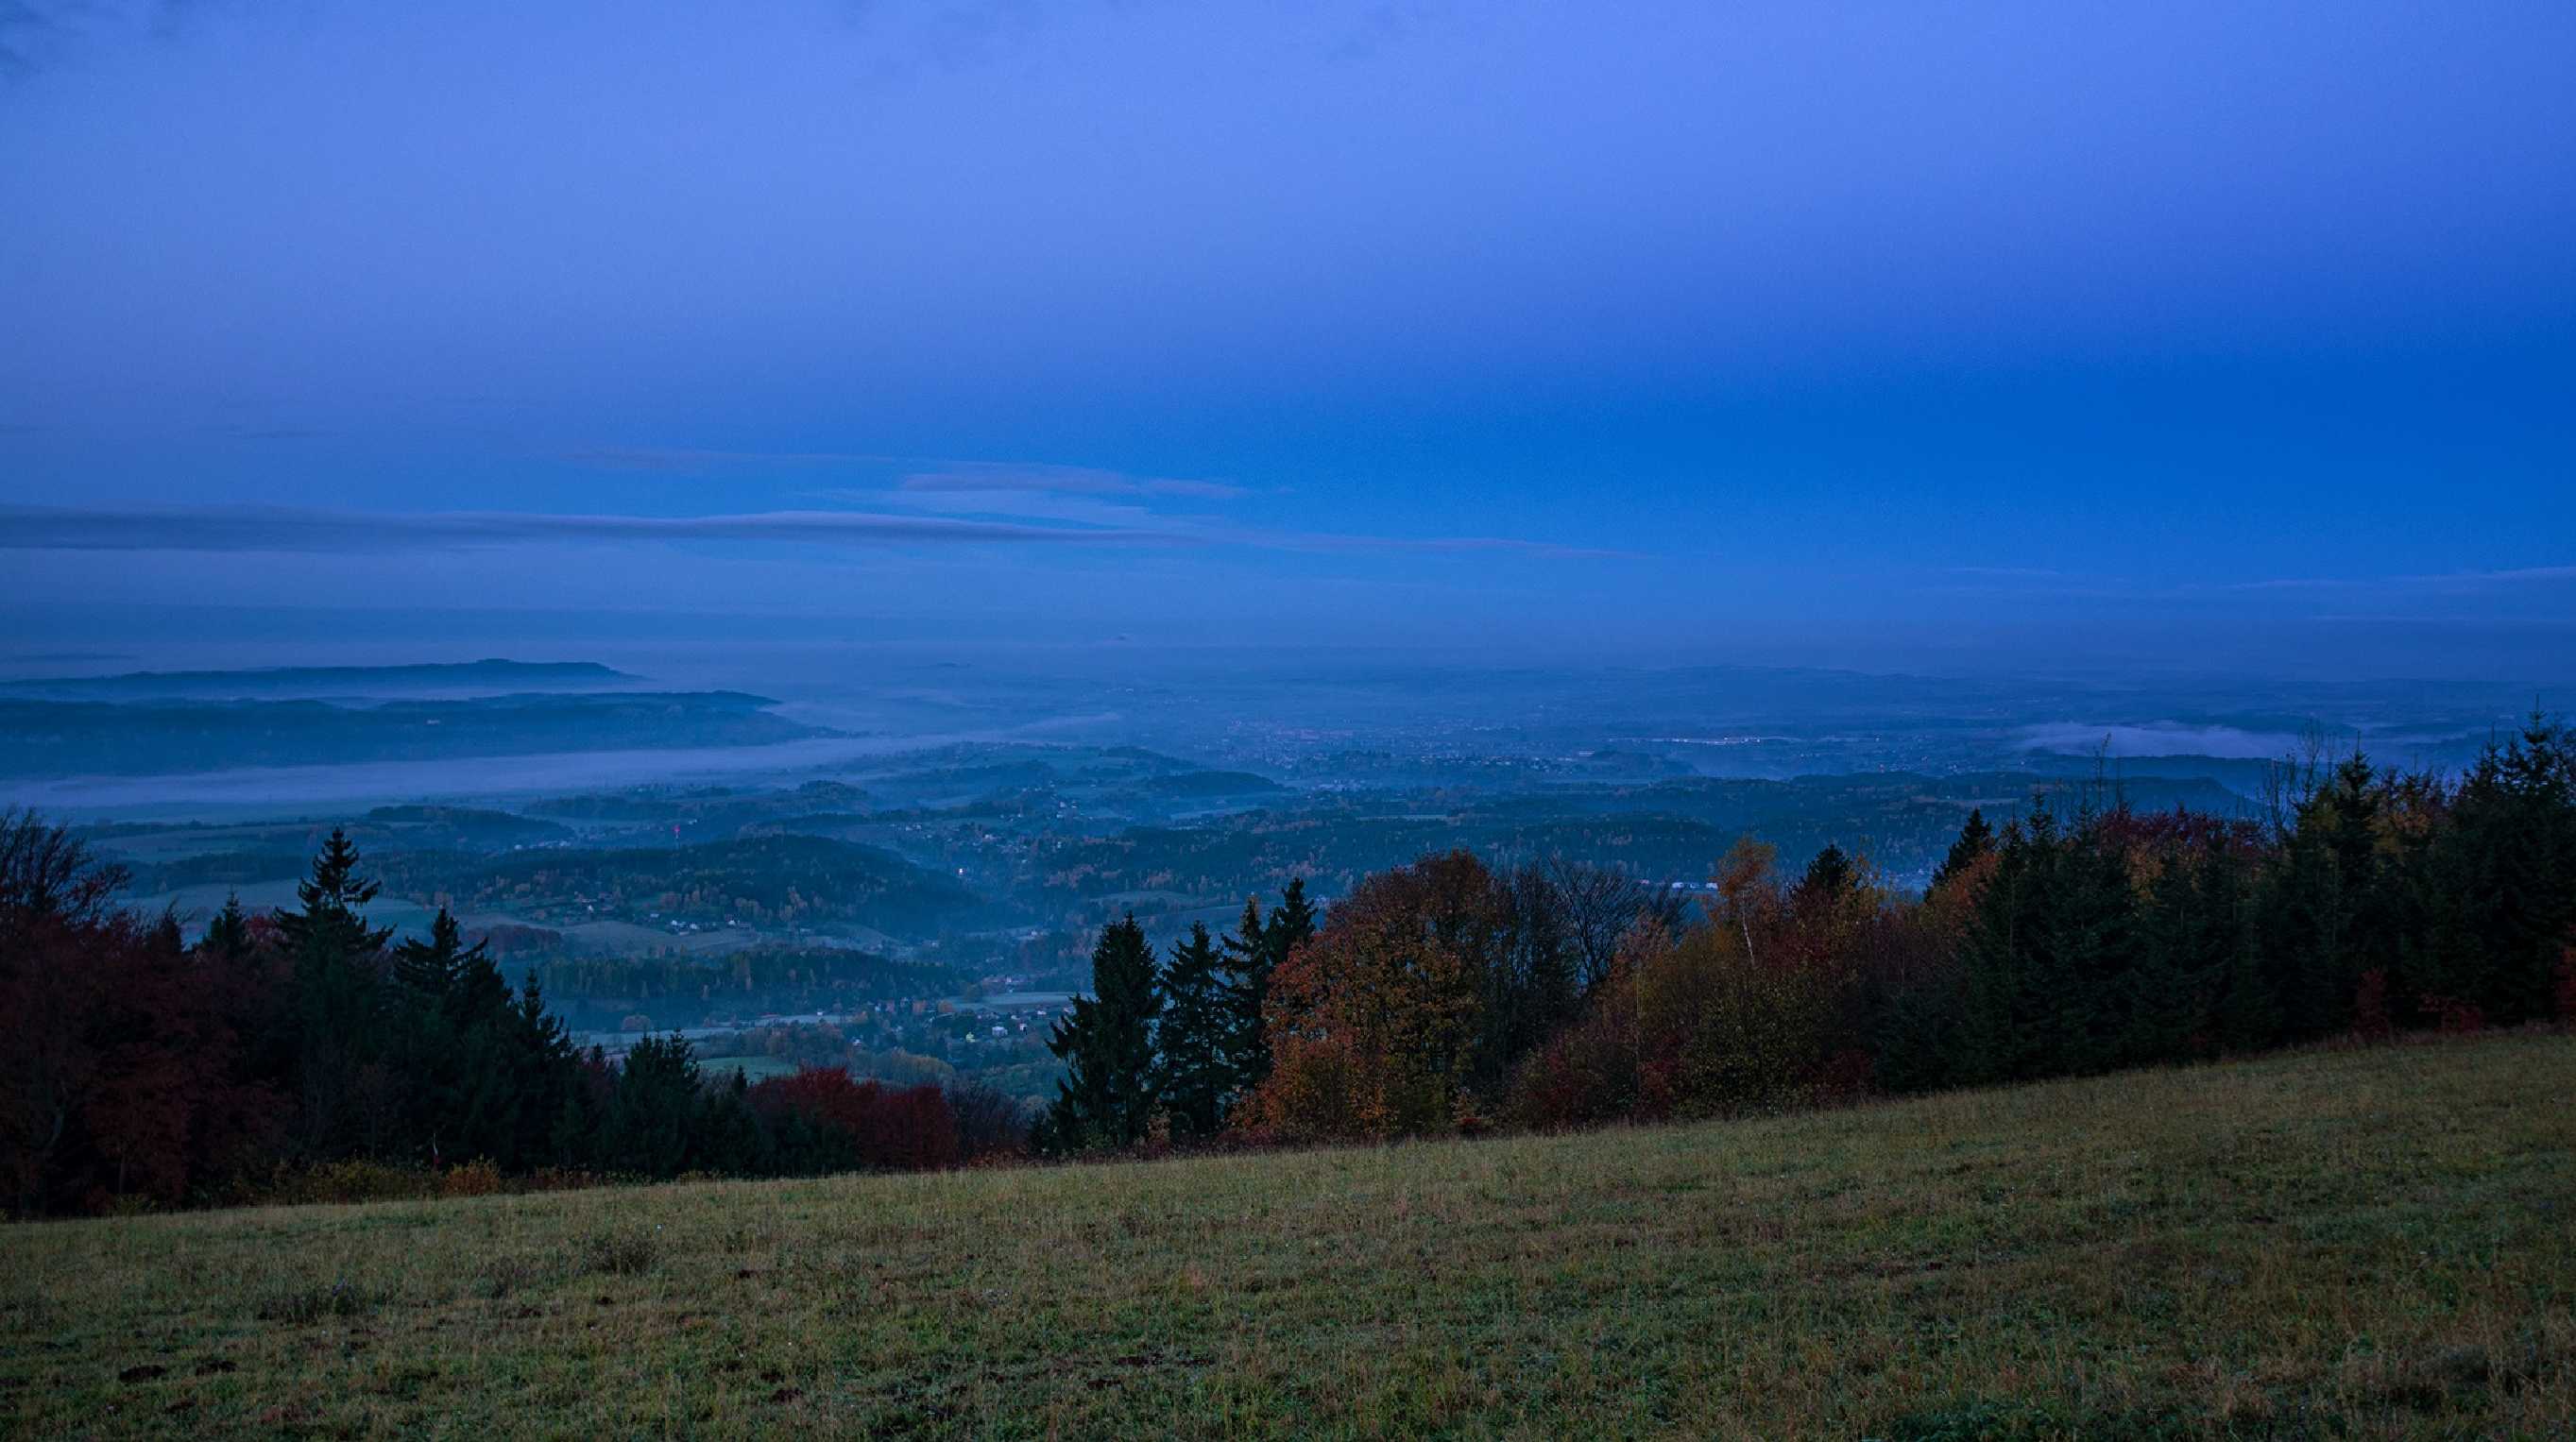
(271, 528)
(690, 460)
(2005, 581)
(1320, 541)
(2429, 581)
(1063, 480)
(925, 475)
(292, 529)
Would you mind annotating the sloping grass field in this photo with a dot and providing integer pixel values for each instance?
(2362, 1243)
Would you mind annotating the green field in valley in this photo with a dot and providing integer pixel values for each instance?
(2363, 1243)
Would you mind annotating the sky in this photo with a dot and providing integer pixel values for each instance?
(1972, 336)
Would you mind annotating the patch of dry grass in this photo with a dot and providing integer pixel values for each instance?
(2371, 1243)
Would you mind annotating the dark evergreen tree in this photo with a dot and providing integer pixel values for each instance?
(1292, 922)
(1107, 1097)
(330, 919)
(2506, 862)
(2181, 957)
(1194, 1034)
(2087, 972)
(1246, 967)
(1976, 841)
(1830, 876)
(2313, 894)
(228, 935)
(1994, 1026)
(2249, 1008)
(654, 1112)
(728, 1137)
(430, 968)
(345, 1104)
(429, 1047)
(513, 1119)
(2047, 954)
(1253, 955)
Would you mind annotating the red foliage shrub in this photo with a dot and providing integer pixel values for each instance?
(907, 1130)
(115, 1080)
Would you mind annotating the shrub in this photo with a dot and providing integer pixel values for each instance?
(992, 1125)
(477, 1178)
(334, 1183)
(821, 1119)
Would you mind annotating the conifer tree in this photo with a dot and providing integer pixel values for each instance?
(1253, 954)
(331, 921)
(478, 994)
(1192, 1038)
(1976, 841)
(2508, 856)
(1831, 876)
(2164, 1001)
(2249, 1008)
(228, 934)
(1246, 967)
(1993, 1021)
(1292, 923)
(653, 1115)
(431, 968)
(1107, 1096)
(338, 1010)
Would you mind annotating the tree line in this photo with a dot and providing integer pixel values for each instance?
(138, 1069)
(1442, 997)
(1451, 996)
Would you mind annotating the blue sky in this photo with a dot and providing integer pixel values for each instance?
(1892, 336)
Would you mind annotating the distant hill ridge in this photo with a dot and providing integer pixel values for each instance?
(97, 736)
(362, 680)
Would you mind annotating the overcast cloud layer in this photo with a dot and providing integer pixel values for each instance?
(1975, 334)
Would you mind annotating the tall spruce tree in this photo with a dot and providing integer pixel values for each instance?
(1246, 966)
(1193, 1035)
(2248, 1014)
(1994, 1024)
(431, 968)
(1107, 1097)
(339, 1005)
(1830, 876)
(1976, 841)
(1292, 922)
(653, 1113)
(2508, 857)
(228, 934)
(330, 919)
(511, 1112)
(2165, 1003)
(1252, 954)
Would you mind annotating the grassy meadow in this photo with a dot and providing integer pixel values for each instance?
(2357, 1243)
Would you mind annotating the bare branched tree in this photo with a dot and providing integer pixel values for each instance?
(48, 874)
(1602, 906)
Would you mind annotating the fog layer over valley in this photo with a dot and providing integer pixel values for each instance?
(722, 838)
